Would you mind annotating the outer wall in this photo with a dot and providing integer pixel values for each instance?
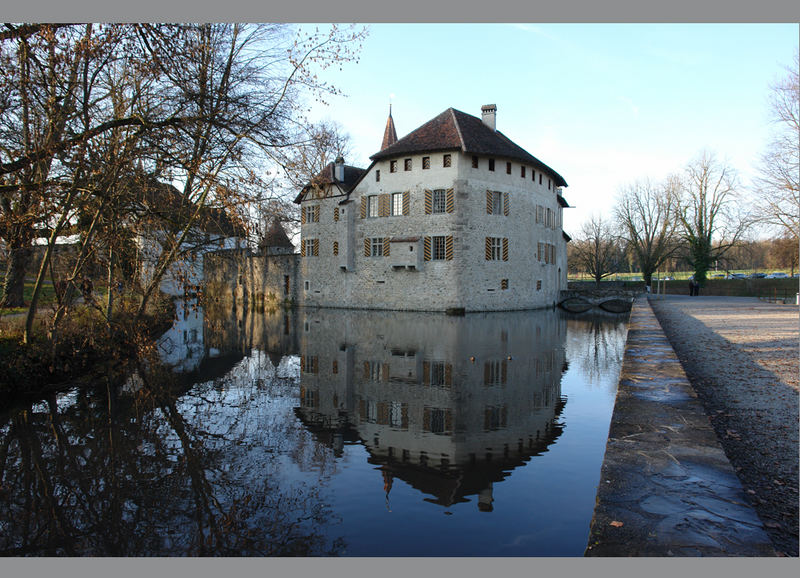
(468, 280)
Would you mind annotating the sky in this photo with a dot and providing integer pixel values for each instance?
(604, 105)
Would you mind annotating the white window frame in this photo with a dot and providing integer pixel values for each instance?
(376, 247)
(438, 248)
(439, 201)
(397, 204)
(496, 248)
(372, 206)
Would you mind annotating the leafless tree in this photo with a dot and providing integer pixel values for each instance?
(597, 250)
(644, 214)
(778, 181)
(709, 213)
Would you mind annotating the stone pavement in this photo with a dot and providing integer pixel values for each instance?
(666, 486)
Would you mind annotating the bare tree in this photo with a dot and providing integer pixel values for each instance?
(644, 215)
(710, 218)
(597, 250)
(778, 181)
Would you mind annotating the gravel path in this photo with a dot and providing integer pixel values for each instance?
(741, 356)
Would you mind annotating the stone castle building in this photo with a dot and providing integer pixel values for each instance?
(453, 216)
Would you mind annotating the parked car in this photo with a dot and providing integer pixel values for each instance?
(737, 276)
(718, 276)
(757, 276)
(777, 275)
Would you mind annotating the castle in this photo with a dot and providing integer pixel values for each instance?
(453, 216)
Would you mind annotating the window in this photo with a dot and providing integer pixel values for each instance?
(539, 213)
(311, 214)
(540, 178)
(397, 204)
(508, 168)
(491, 164)
(446, 161)
(438, 248)
(522, 171)
(494, 373)
(309, 248)
(439, 201)
(474, 162)
(392, 166)
(494, 202)
(407, 165)
(533, 175)
(494, 247)
(548, 184)
(376, 247)
(377, 176)
(426, 162)
(372, 206)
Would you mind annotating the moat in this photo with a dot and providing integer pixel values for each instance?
(324, 432)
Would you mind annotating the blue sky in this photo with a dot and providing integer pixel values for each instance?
(602, 104)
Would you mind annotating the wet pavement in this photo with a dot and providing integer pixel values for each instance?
(666, 485)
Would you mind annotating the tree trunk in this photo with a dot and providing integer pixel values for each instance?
(14, 286)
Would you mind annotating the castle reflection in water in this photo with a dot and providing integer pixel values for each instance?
(450, 405)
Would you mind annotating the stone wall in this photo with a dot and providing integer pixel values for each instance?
(355, 280)
(268, 279)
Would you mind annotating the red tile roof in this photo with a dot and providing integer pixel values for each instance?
(456, 130)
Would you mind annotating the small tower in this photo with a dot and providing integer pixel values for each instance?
(390, 134)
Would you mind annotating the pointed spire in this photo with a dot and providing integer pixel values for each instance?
(389, 135)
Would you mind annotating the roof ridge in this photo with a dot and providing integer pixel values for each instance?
(458, 128)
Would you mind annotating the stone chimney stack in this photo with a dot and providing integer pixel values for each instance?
(489, 115)
(338, 170)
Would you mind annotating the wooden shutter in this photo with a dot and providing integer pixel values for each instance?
(366, 371)
(426, 373)
(505, 204)
(450, 201)
(316, 247)
(383, 205)
(426, 248)
(488, 202)
(363, 207)
(448, 374)
(448, 420)
(505, 249)
(428, 202)
(367, 247)
(385, 372)
(448, 248)
(386, 246)
(303, 248)
(316, 213)
(426, 419)
(303, 216)
(406, 203)
(488, 248)
(336, 213)
(335, 248)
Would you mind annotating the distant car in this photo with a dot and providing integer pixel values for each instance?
(757, 276)
(668, 278)
(777, 275)
(738, 276)
(718, 276)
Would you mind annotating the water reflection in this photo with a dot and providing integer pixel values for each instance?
(295, 433)
(450, 405)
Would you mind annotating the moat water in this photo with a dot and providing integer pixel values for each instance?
(321, 433)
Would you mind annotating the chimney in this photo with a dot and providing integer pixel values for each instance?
(338, 171)
(489, 115)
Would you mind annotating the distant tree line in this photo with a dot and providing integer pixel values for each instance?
(113, 132)
(698, 219)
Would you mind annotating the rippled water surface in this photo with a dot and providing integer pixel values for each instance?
(324, 432)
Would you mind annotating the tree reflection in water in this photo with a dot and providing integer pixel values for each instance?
(95, 472)
(288, 432)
